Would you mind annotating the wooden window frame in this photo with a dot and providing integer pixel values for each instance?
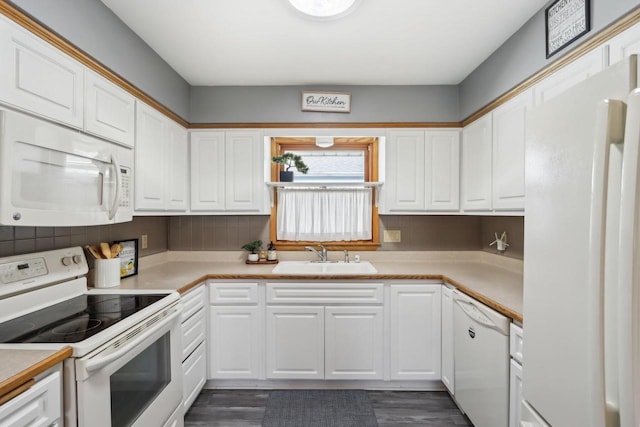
(369, 145)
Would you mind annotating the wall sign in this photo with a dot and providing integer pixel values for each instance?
(328, 102)
(565, 21)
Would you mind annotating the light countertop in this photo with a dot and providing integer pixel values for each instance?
(493, 279)
(20, 366)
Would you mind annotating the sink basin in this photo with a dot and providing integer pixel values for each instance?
(330, 268)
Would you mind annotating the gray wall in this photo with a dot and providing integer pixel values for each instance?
(92, 27)
(281, 104)
(524, 54)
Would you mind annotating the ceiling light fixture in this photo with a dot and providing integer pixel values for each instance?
(324, 9)
(324, 141)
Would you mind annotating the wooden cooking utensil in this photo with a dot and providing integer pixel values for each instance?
(116, 248)
(105, 250)
(93, 251)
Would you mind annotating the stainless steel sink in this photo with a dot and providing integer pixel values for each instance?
(331, 268)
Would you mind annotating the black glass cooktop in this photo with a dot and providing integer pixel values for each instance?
(75, 319)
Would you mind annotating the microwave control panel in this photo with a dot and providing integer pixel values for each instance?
(125, 187)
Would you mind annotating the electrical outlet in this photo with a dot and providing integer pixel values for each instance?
(144, 241)
(392, 236)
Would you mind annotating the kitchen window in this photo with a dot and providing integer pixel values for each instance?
(340, 217)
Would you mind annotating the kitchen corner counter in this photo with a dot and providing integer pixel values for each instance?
(491, 279)
(20, 366)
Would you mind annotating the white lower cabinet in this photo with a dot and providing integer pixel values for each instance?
(295, 342)
(234, 345)
(515, 376)
(194, 334)
(40, 405)
(354, 343)
(447, 362)
(415, 332)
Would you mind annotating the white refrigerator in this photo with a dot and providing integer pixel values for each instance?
(581, 362)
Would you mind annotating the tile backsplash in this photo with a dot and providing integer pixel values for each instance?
(20, 240)
(229, 233)
(418, 232)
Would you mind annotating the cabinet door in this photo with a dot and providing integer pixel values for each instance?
(515, 394)
(207, 171)
(570, 75)
(234, 340)
(244, 161)
(447, 340)
(194, 376)
(624, 44)
(476, 165)
(40, 405)
(109, 110)
(415, 332)
(295, 342)
(177, 168)
(508, 152)
(405, 164)
(39, 78)
(150, 162)
(354, 343)
(442, 170)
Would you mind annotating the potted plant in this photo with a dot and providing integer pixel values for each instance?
(253, 248)
(289, 160)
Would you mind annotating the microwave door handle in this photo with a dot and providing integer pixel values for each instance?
(98, 362)
(116, 199)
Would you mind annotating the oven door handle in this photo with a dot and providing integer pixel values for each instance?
(98, 362)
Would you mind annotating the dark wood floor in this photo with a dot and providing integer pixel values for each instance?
(245, 408)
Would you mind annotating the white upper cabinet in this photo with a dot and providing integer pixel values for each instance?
(161, 162)
(405, 164)
(207, 171)
(422, 171)
(624, 44)
(227, 172)
(442, 181)
(477, 165)
(177, 188)
(244, 174)
(109, 110)
(571, 74)
(508, 152)
(38, 78)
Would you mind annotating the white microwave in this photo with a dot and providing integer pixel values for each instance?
(51, 175)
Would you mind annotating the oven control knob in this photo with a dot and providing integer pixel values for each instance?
(66, 261)
(77, 259)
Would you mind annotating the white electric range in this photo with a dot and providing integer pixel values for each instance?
(126, 364)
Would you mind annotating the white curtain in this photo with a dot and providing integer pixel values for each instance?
(327, 214)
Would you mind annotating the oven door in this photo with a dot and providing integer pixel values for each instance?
(54, 176)
(137, 379)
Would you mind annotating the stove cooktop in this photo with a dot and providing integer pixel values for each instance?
(75, 319)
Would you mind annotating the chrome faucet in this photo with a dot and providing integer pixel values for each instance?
(322, 254)
(346, 256)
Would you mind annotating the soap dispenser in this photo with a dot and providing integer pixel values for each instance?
(272, 255)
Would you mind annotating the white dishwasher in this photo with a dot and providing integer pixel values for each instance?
(481, 354)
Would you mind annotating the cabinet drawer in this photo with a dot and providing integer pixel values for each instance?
(192, 301)
(233, 293)
(193, 333)
(194, 370)
(325, 293)
(516, 342)
(39, 405)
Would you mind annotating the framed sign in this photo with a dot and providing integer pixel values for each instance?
(128, 258)
(328, 102)
(565, 22)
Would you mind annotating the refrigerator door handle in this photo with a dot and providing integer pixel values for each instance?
(609, 130)
(628, 288)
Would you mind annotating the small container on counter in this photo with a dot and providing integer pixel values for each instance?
(272, 255)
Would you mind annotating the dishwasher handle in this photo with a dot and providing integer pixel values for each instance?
(475, 314)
